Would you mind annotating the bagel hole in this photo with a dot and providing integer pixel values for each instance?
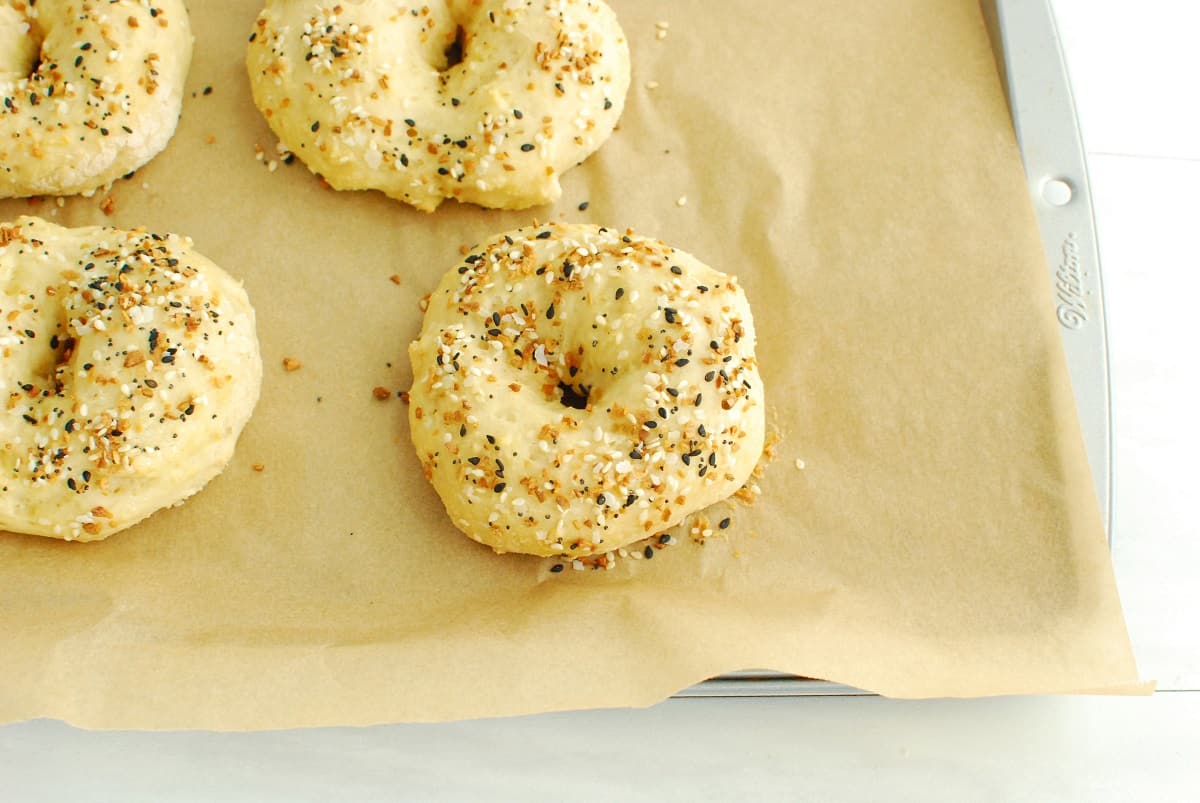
(454, 53)
(55, 361)
(35, 63)
(29, 52)
(574, 397)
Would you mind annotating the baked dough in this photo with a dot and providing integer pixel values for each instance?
(90, 90)
(128, 366)
(535, 322)
(363, 92)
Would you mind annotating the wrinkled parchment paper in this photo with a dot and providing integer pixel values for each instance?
(854, 165)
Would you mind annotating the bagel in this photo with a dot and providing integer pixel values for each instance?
(90, 90)
(129, 366)
(577, 388)
(366, 95)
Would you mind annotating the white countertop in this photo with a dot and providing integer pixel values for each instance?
(1135, 74)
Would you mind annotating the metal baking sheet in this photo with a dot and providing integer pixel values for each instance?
(1030, 60)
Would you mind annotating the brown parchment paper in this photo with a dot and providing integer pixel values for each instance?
(854, 165)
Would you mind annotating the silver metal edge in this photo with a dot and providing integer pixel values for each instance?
(1028, 55)
(1038, 87)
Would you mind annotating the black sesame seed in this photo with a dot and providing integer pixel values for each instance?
(583, 206)
(527, 147)
(629, 500)
(517, 113)
(315, 127)
(556, 568)
(678, 271)
(710, 376)
(500, 486)
(682, 361)
(473, 461)
(550, 312)
(620, 292)
(665, 538)
(635, 455)
(608, 104)
(648, 552)
(725, 522)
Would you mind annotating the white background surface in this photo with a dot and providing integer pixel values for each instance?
(1135, 69)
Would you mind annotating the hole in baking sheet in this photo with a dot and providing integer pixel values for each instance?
(454, 53)
(573, 397)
